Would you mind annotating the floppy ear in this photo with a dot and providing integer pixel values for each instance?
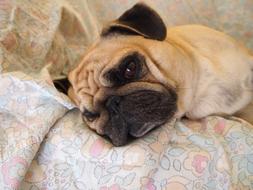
(62, 85)
(139, 20)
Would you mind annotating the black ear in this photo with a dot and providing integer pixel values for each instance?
(139, 20)
(62, 85)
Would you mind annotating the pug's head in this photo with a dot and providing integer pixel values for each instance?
(121, 85)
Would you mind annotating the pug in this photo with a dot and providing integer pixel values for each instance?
(139, 75)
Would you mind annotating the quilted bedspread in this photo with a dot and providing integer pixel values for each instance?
(44, 144)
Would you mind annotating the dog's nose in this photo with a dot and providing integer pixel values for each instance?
(112, 104)
(90, 116)
(116, 128)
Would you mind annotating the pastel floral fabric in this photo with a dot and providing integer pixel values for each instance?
(214, 153)
(44, 143)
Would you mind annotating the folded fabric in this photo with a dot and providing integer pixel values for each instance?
(28, 108)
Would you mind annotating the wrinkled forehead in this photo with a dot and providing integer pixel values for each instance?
(109, 52)
(104, 55)
(112, 48)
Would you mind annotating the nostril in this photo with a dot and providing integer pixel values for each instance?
(112, 103)
(90, 116)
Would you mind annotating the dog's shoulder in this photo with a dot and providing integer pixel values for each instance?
(199, 35)
(194, 30)
(206, 41)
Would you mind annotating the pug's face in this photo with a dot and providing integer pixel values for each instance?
(118, 85)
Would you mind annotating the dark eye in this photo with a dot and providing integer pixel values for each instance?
(130, 70)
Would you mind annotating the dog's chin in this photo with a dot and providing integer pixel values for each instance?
(122, 136)
(120, 132)
(135, 114)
